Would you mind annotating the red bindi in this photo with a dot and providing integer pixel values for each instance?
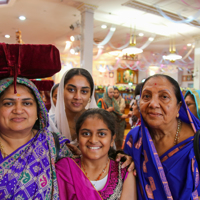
(155, 83)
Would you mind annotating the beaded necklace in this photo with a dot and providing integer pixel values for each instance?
(103, 171)
(176, 139)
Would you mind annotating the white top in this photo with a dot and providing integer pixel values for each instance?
(99, 185)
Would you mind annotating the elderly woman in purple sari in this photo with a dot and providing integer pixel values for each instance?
(27, 148)
(162, 147)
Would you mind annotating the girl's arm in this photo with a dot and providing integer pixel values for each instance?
(129, 190)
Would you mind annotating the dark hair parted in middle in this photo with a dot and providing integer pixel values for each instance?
(80, 71)
(99, 113)
(172, 81)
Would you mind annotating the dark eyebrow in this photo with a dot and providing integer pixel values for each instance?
(165, 90)
(101, 129)
(14, 99)
(85, 87)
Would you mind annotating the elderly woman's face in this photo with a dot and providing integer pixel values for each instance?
(111, 92)
(158, 104)
(18, 112)
(191, 105)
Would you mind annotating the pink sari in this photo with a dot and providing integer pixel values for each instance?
(71, 185)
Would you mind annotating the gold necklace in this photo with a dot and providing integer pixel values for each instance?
(176, 139)
(3, 153)
(103, 171)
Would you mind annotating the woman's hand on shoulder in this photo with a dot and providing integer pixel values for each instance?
(74, 149)
(129, 161)
(110, 109)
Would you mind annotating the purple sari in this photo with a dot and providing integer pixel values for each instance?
(175, 174)
(29, 172)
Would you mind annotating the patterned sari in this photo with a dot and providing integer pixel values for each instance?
(29, 172)
(175, 174)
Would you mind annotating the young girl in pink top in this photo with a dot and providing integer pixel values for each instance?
(94, 175)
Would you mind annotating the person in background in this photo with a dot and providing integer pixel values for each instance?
(110, 104)
(53, 98)
(134, 107)
(120, 100)
(192, 100)
(95, 173)
(163, 146)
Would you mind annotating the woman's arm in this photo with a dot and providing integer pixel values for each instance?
(129, 190)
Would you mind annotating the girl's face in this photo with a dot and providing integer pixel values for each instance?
(111, 92)
(77, 92)
(95, 139)
(54, 96)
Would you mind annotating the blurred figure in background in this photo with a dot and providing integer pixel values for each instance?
(192, 100)
(134, 108)
(110, 104)
(53, 98)
(120, 100)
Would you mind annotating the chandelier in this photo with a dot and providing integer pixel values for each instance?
(131, 50)
(172, 57)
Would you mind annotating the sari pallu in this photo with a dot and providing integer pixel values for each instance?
(175, 174)
(29, 172)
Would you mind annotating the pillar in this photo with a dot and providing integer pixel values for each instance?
(87, 19)
(196, 74)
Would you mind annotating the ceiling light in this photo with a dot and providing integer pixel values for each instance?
(131, 50)
(151, 39)
(22, 17)
(100, 47)
(103, 26)
(113, 29)
(7, 36)
(75, 50)
(141, 34)
(115, 53)
(75, 37)
(172, 57)
(72, 51)
(68, 44)
(189, 44)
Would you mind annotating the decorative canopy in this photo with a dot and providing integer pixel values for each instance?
(27, 60)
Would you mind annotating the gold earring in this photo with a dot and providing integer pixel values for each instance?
(177, 115)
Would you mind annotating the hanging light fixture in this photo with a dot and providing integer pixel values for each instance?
(131, 50)
(172, 57)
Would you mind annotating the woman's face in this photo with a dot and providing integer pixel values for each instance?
(77, 93)
(135, 111)
(54, 96)
(18, 112)
(158, 103)
(191, 105)
(95, 139)
(111, 92)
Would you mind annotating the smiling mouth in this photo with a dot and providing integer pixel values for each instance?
(93, 148)
(18, 119)
(155, 114)
(76, 104)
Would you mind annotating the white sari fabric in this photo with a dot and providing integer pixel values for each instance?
(58, 120)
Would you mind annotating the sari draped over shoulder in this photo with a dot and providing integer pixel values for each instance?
(29, 172)
(75, 185)
(172, 176)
